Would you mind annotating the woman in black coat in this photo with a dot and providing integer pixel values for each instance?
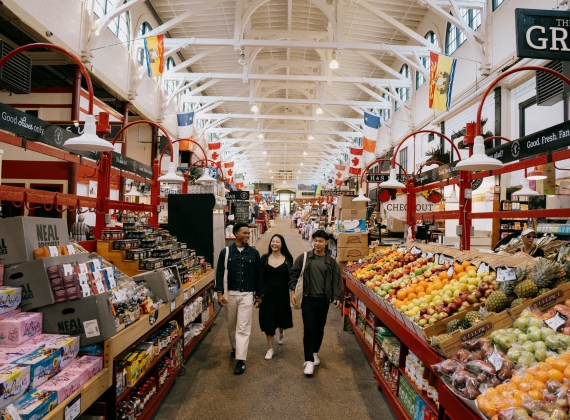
(275, 312)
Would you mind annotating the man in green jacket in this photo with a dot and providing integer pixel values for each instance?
(322, 284)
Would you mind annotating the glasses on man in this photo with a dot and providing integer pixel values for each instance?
(530, 236)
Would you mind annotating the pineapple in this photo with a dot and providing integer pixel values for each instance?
(507, 287)
(454, 325)
(523, 271)
(497, 301)
(526, 289)
(543, 291)
(473, 318)
(517, 302)
(545, 272)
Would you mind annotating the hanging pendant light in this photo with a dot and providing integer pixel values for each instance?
(479, 161)
(392, 181)
(134, 192)
(171, 175)
(525, 190)
(537, 174)
(88, 141)
(206, 179)
(361, 196)
(453, 198)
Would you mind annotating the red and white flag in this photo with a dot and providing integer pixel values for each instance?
(214, 152)
(230, 180)
(228, 164)
(340, 172)
(355, 160)
(371, 126)
(239, 185)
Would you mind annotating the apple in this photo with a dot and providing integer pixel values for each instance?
(472, 298)
(488, 292)
(422, 322)
(443, 315)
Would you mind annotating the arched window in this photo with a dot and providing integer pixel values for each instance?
(403, 93)
(120, 26)
(144, 29)
(385, 113)
(454, 37)
(170, 85)
(420, 78)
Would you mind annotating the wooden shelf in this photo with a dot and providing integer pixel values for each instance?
(152, 405)
(392, 398)
(191, 345)
(420, 393)
(363, 343)
(90, 392)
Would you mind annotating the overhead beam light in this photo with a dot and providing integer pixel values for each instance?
(311, 137)
(254, 108)
(260, 136)
(334, 63)
(264, 153)
(319, 111)
(241, 59)
(304, 153)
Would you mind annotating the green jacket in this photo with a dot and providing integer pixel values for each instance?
(333, 282)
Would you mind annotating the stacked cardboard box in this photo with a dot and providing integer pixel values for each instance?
(351, 246)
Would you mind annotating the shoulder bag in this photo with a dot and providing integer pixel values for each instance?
(299, 286)
(226, 295)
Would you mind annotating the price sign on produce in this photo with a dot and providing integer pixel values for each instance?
(495, 359)
(483, 268)
(446, 259)
(415, 250)
(506, 274)
(556, 321)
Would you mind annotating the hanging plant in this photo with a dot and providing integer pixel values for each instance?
(194, 174)
(438, 155)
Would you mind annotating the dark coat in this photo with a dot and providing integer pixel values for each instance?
(333, 283)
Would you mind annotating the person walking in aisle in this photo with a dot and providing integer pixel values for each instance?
(322, 283)
(243, 285)
(276, 309)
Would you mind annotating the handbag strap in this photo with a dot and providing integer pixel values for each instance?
(304, 262)
(226, 271)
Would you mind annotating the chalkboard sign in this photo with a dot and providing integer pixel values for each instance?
(237, 195)
(242, 212)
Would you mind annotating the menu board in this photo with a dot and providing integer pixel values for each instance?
(242, 211)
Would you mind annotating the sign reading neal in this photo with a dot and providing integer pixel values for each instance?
(237, 195)
(543, 34)
(398, 207)
(383, 177)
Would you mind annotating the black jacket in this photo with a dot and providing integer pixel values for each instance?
(244, 271)
(333, 283)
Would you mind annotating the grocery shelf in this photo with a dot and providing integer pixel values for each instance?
(153, 404)
(453, 406)
(366, 347)
(392, 398)
(189, 348)
(89, 393)
(421, 394)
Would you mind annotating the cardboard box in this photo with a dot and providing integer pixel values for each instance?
(544, 301)
(351, 226)
(91, 365)
(18, 328)
(14, 382)
(440, 327)
(157, 282)
(351, 214)
(351, 254)
(10, 300)
(43, 363)
(19, 236)
(345, 202)
(69, 347)
(91, 318)
(32, 277)
(64, 384)
(347, 240)
(36, 404)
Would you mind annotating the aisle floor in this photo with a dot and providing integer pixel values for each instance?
(342, 387)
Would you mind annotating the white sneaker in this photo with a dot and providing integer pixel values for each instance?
(280, 339)
(269, 354)
(317, 361)
(309, 368)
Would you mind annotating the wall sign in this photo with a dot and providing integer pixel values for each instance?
(307, 193)
(242, 211)
(440, 173)
(32, 128)
(237, 195)
(398, 207)
(383, 177)
(334, 192)
(543, 34)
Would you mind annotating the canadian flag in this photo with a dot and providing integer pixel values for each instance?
(339, 174)
(230, 180)
(239, 185)
(355, 160)
(214, 151)
(228, 164)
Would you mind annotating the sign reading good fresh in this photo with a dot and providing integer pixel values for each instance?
(543, 34)
(398, 207)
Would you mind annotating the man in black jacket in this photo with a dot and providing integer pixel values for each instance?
(244, 284)
(322, 283)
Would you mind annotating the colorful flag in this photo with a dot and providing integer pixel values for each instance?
(185, 125)
(230, 180)
(154, 47)
(340, 171)
(355, 160)
(214, 152)
(371, 125)
(442, 72)
(228, 164)
(239, 185)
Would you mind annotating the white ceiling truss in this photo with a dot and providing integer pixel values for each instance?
(287, 46)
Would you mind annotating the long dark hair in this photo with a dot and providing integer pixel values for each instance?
(284, 249)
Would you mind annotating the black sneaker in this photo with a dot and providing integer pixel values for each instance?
(240, 367)
(233, 354)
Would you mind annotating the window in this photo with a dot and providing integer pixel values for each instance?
(403, 158)
(497, 3)
(425, 61)
(144, 29)
(454, 37)
(120, 26)
(403, 93)
(170, 85)
(385, 113)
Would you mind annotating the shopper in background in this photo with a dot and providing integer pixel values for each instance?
(298, 216)
(276, 310)
(244, 285)
(79, 230)
(322, 283)
(528, 236)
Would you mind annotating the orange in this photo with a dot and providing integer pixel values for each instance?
(458, 269)
(544, 366)
(419, 289)
(487, 407)
(423, 284)
(538, 386)
(429, 289)
(566, 373)
(412, 296)
(565, 356)
(465, 264)
(398, 303)
(559, 364)
(421, 294)
(444, 282)
(535, 395)
(437, 285)
(443, 275)
(542, 376)
(401, 295)
(556, 375)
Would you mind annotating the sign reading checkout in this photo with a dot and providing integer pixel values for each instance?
(543, 34)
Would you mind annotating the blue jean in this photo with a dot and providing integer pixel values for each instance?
(314, 312)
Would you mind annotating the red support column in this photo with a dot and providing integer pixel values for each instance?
(464, 210)
(103, 192)
(411, 209)
(155, 195)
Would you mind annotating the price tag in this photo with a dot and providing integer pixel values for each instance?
(556, 321)
(506, 274)
(91, 328)
(172, 306)
(435, 257)
(192, 290)
(402, 249)
(446, 259)
(185, 296)
(429, 255)
(152, 317)
(450, 271)
(73, 409)
(424, 255)
(483, 268)
(70, 249)
(53, 251)
(495, 359)
(415, 250)
(12, 412)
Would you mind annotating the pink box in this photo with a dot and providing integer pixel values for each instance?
(64, 383)
(42, 339)
(91, 365)
(19, 328)
(69, 346)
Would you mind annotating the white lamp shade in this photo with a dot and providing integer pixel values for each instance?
(333, 64)
(206, 178)
(392, 181)
(479, 161)
(171, 175)
(536, 174)
(134, 192)
(88, 141)
(361, 196)
(525, 190)
(453, 198)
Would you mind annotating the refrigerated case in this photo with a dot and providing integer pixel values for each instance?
(199, 221)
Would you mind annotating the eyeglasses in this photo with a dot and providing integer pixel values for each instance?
(530, 236)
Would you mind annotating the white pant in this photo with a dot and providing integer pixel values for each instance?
(239, 312)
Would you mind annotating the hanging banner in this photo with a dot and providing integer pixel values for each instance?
(542, 34)
(398, 207)
(440, 173)
(372, 178)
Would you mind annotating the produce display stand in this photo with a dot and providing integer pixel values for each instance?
(450, 406)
